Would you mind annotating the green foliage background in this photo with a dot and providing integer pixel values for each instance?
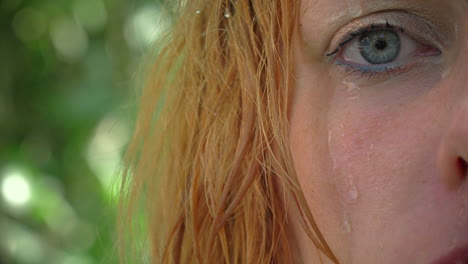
(67, 77)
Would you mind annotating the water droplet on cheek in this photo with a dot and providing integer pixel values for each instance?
(353, 192)
(445, 74)
(352, 90)
(332, 156)
(343, 178)
(352, 98)
(346, 225)
(351, 86)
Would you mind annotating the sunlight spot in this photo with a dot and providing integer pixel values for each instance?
(70, 40)
(104, 150)
(144, 27)
(16, 189)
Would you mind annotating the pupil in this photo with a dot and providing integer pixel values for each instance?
(380, 44)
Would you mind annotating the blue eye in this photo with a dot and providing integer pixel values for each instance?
(379, 47)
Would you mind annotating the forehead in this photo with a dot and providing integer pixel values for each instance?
(372, 4)
(333, 10)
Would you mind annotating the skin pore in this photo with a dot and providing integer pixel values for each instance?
(381, 150)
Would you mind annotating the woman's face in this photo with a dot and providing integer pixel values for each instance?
(379, 128)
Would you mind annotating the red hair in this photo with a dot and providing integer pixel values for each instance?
(209, 162)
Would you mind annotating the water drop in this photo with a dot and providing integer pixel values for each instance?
(352, 98)
(353, 192)
(346, 226)
(332, 157)
(445, 74)
(350, 86)
(198, 11)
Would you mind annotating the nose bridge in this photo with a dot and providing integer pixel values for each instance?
(458, 77)
(458, 81)
(455, 79)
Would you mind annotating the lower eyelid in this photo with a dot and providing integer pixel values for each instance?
(382, 72)
(350, 67)
(373, 74)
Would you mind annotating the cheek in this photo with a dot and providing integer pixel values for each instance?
(308, 128)
(308, 116)
(362, 159)
(375, 157)
(378, 136)
(379, 147)
(383, 165)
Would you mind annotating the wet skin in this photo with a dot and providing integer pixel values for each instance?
(380, 149)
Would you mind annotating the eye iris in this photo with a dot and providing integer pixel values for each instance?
(379, 47)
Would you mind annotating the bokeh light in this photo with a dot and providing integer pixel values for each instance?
(69, 39)
(144, 27)
(76, 259)
(104, 148)
(91, 14)
(29, 24)
(24, 246)
(16, 189)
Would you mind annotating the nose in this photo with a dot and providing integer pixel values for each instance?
(453, 153)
